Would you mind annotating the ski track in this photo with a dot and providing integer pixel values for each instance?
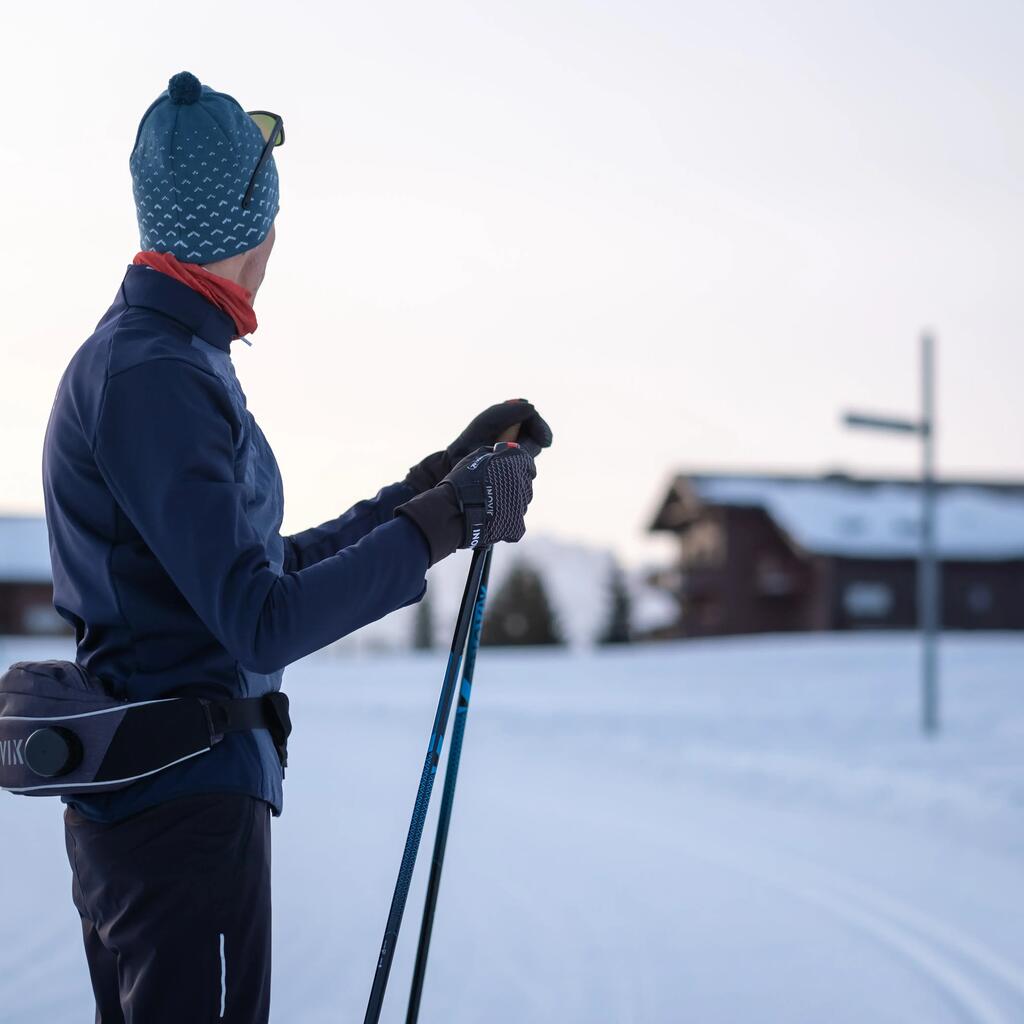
(978, 983)
(941, 934)
(960, 967)
(984, 986)
(543, 920)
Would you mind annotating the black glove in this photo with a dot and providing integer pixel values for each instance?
(485, 430)
(483, 500)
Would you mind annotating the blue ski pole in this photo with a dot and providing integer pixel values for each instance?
(448, 797)
(419, 814)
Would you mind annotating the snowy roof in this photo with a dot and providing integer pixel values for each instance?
(844, 516)
(24, 550)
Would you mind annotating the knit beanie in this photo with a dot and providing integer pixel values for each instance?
(194, 154)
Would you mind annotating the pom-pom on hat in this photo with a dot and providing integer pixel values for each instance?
(194, 154)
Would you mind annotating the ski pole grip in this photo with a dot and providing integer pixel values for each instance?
(512, 434)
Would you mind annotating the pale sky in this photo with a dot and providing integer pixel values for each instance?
(691, 233)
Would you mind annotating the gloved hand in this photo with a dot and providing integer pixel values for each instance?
(483, 500)
(484, 430)
(488, 427)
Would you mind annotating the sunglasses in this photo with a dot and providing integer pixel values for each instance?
(272, 128)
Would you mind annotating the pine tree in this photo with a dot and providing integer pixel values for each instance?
(520, 612)
(423, 626)
(618, 628)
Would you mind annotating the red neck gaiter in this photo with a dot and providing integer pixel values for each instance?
(227, 296)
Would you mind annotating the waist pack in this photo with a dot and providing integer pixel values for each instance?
(62, 733)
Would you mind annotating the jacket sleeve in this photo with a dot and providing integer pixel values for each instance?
(302, 550)
(165, 445)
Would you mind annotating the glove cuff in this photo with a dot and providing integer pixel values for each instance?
(436, 512)
(429, 472)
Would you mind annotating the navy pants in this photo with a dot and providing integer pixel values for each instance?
(175, 908)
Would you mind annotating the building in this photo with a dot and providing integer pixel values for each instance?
(26, 590)
(766, 553)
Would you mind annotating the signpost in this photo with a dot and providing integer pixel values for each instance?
(928, 582)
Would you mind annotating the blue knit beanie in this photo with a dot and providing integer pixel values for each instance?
(194, 154)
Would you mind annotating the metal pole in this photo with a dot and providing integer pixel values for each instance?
(929, 590)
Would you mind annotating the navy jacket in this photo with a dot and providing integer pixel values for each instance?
(164, 506)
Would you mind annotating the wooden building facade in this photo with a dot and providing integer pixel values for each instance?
(771, 553)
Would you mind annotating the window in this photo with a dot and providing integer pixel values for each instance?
(907, 526)
(773, 578)
(704, 545)
(979, 599)
(868, 599)
(853, 526)
(41, 619)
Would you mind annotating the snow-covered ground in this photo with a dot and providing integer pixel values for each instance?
(718, 832)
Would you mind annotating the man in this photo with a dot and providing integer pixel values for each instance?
(164, 505)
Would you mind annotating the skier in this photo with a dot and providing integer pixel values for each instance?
(164, 505)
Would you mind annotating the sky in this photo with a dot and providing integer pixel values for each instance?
(692, 234)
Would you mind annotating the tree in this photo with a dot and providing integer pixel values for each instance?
(423, 626)
(618, 628)
(520, 612)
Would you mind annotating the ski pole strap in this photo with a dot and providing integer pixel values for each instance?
(473, 505)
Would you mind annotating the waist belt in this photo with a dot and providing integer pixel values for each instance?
(62, 733)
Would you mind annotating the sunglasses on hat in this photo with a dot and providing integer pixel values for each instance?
(272, 128)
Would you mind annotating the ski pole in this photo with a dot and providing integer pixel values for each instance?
(451, 777)
(448, 797)
(419, 814)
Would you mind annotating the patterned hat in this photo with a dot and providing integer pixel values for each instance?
(194, 154)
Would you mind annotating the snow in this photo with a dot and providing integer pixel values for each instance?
(878, 520)
(24, 550)
(720, 831)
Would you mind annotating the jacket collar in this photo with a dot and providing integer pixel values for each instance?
(149, 289)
